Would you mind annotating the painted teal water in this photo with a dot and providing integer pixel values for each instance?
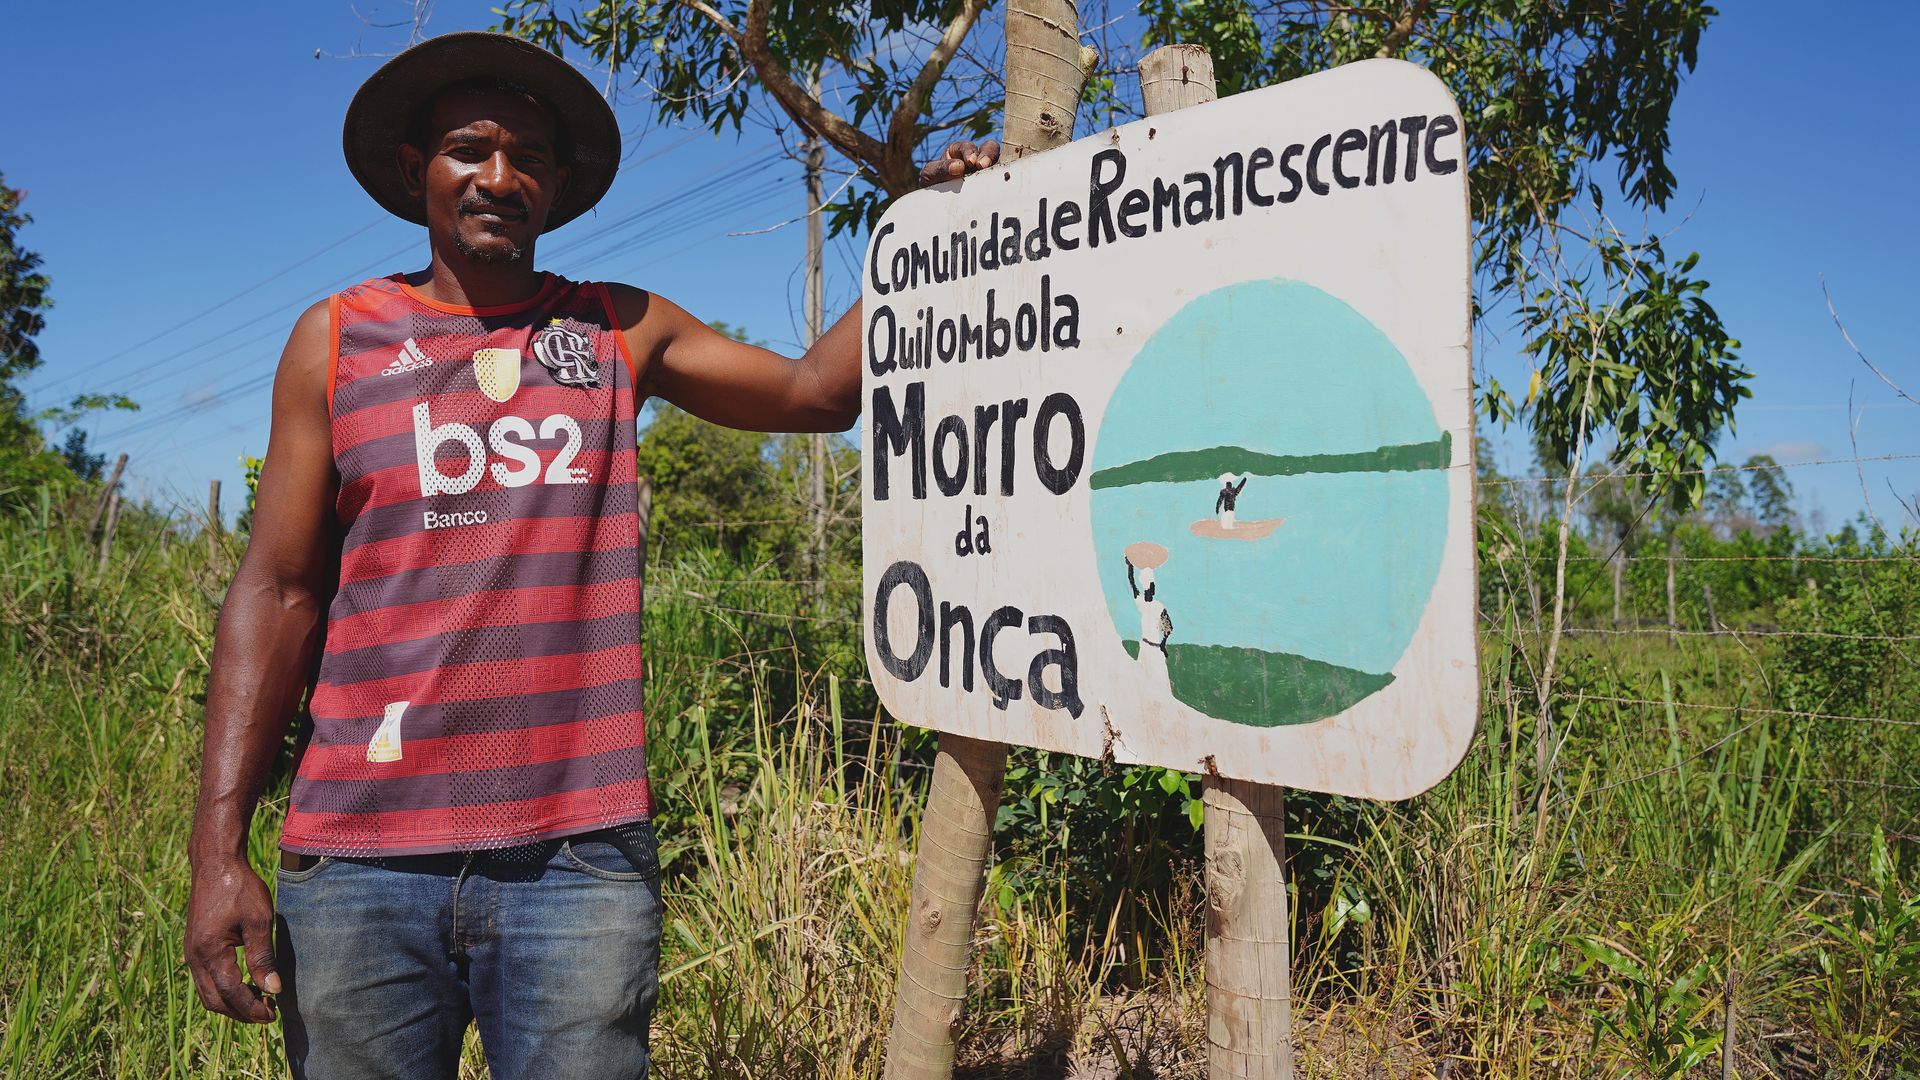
(1344, 580)
(1275, 367)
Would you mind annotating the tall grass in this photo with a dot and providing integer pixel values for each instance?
(1700, 857)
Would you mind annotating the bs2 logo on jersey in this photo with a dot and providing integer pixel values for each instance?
(497, 373)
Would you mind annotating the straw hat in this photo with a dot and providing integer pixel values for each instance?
(377, 118)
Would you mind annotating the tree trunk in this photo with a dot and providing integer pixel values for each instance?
(956, 839)
(1046, 68)
(816, 161)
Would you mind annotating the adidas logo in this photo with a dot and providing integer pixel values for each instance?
(410, 359)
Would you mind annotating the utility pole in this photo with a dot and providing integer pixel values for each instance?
(816, 160)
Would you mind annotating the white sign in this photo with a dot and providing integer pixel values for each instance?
(1168, 442)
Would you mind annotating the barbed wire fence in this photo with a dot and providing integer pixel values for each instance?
(1649, 614)
(1667, 601)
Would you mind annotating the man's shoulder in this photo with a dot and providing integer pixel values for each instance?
(630, 302)
(384, 285)
(620, 290)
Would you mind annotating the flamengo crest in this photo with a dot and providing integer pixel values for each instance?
(568, 354)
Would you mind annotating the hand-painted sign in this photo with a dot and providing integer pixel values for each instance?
(1168, 442)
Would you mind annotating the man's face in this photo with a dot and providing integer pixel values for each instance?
(489, 172)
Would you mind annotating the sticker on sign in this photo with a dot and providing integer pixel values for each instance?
(1168, 442)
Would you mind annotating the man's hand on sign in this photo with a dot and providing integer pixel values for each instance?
(960, 159)
(230, 908)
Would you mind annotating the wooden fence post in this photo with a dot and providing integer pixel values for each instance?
(1046, 68)
(213, 522)
(106, 495)
(1673, 605)
(1619, 574)
(1249, 997)
(1249, 1004)
(106, 536)
(1176, 76)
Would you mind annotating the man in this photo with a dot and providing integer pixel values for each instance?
(1229, 494)
(450, 478)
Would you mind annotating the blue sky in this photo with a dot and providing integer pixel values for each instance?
(189, 197)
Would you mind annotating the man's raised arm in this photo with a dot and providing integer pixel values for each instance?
(270, 627)
(714, 377)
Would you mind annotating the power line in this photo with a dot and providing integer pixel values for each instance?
(169, 373)
(1833, 635)
(1598, 478)
(197, 316)
(701, 214)
(1890, 559)
(350, 276)
(1746, 710)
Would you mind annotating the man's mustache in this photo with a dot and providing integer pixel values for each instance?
(502, 207)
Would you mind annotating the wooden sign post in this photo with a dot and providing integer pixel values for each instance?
(1046, 68)
(1248, 954)
(1168, 445)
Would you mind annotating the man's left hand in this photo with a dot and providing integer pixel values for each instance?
(958, 160)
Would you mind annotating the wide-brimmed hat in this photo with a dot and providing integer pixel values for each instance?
(377, 118)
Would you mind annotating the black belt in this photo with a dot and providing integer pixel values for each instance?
(624, 837)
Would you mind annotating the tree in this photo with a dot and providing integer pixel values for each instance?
(1769, 493)
(715, 64)
(1725, 506)
(23, 296)
(23, 306)
(709, 482)
(1625, 344)
(738, 490)
(80, 461)
(25, 461)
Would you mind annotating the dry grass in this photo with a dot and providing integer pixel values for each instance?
(1477, 931)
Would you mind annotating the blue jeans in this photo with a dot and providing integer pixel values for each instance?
(552, 948)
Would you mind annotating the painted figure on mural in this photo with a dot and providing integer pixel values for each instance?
(1223, 503)
(1156, 626)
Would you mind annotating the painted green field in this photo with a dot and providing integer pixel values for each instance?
(1261, 688)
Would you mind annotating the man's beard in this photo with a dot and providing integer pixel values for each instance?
(511, 254)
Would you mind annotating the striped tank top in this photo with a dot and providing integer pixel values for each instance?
(480, 683)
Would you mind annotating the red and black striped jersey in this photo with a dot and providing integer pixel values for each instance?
(480, 685)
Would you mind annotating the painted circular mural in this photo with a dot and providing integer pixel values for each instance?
(1269, 504)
